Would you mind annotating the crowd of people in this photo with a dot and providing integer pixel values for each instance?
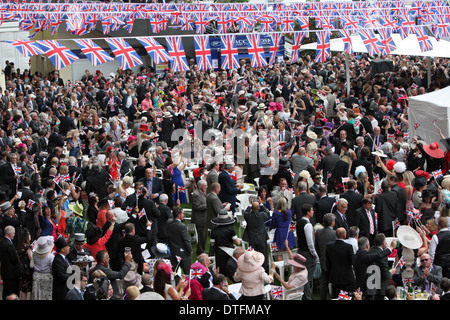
(96, 176)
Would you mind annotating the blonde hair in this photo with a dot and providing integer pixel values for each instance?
(132, 292)
(97, 274)
(408, 177)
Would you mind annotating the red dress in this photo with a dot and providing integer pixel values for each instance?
(114, 169)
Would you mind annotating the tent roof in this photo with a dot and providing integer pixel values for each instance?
(408, 46)
(438, 97)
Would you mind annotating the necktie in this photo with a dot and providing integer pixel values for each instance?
(372, 227)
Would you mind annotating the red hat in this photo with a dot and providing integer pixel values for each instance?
(144, 127)
(390, 164)
(433, 150)
(98, 71)
(421, 173)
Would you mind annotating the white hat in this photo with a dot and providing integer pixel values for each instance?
(43, 245)
(379, 153)
(409, 237)
(310, 134)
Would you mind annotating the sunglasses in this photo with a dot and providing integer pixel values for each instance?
(424, 260)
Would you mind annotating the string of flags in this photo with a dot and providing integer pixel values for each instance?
(374, 22)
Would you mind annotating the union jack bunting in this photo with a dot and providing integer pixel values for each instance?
(276, 39)
(323, 50)
(177, 54)
(223, 20)
(127, 56)
(155, 50)
(389, 22)
(256, 51)
(388, 44)
(245, 22)
(371, 42)
(324, 23)
(27, 48)
(424, 41)
(348, 47)
(406, 23)
(277, 292)
(349, 23)
(286, 22)
(129, 24)
(111, 24)
(95, 54)
(201, 20)
(203, 52)
(304, 24)
(229, 52)
(268, 23)
(59, 55)
(296, 44)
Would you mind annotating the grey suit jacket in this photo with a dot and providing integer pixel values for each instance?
(199, 208)
(211, 177)
(323, 237)
(435, 277)
(213, 206)
(255, 232)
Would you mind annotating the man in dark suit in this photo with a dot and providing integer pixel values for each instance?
(284, 135)
(67, 123)
(218, 291)
(9, 263)
(231, 266)
(75, 172)
(160, 159)
(102, 258)
(32, 211)
(8, 176)
(255, 232)
(340, 211)
(228, 188)
(338, 139)
(77, 292)
(366, 221)
(134, 241)
(383, 269)
(316, 184)
(139, 169)
(387, 208)
(179, 242)
(324, 204)
(199, 215)
(324, 236)
(302, 198)
(61, 269)
(364, 258)
(401, 197)
(377, 139)
(445, 287)
(163, 219)
(354, 202)
(153, 185)
(124, 163)
(339, 262)
(151, 212)
(96, 181)
(327, 163)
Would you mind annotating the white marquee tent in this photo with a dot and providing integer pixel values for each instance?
(424, 109)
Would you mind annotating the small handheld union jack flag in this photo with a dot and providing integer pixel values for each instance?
(437, 173)
(277, 292)
(30, 204)
(273, 247)
(195, 273)
(181, 189)
(142, 213)
(343, 295)
(416, 126)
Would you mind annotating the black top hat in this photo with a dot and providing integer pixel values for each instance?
(60, 243)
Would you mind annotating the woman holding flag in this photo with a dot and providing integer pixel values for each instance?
(282, 222)
(176, 168)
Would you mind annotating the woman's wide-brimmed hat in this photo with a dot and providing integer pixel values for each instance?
(297, 261)
(433, 150)
(43, 245)
(77, 208)
(223, 218)
(250, 261)
(419, 182)
(409, 237)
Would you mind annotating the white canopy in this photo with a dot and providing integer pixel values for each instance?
(407, 46)
(424, 109)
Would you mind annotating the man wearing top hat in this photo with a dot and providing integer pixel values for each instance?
(61, 269)
(78, 247)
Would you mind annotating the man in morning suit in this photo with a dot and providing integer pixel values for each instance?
(199, 214)
(228, 188)
(153, 184)
(339, 261)
(302, 198)
(61, 269)
(218, 291)
(366, 220)
(354, 202)
(179, 242)
(9, 263)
